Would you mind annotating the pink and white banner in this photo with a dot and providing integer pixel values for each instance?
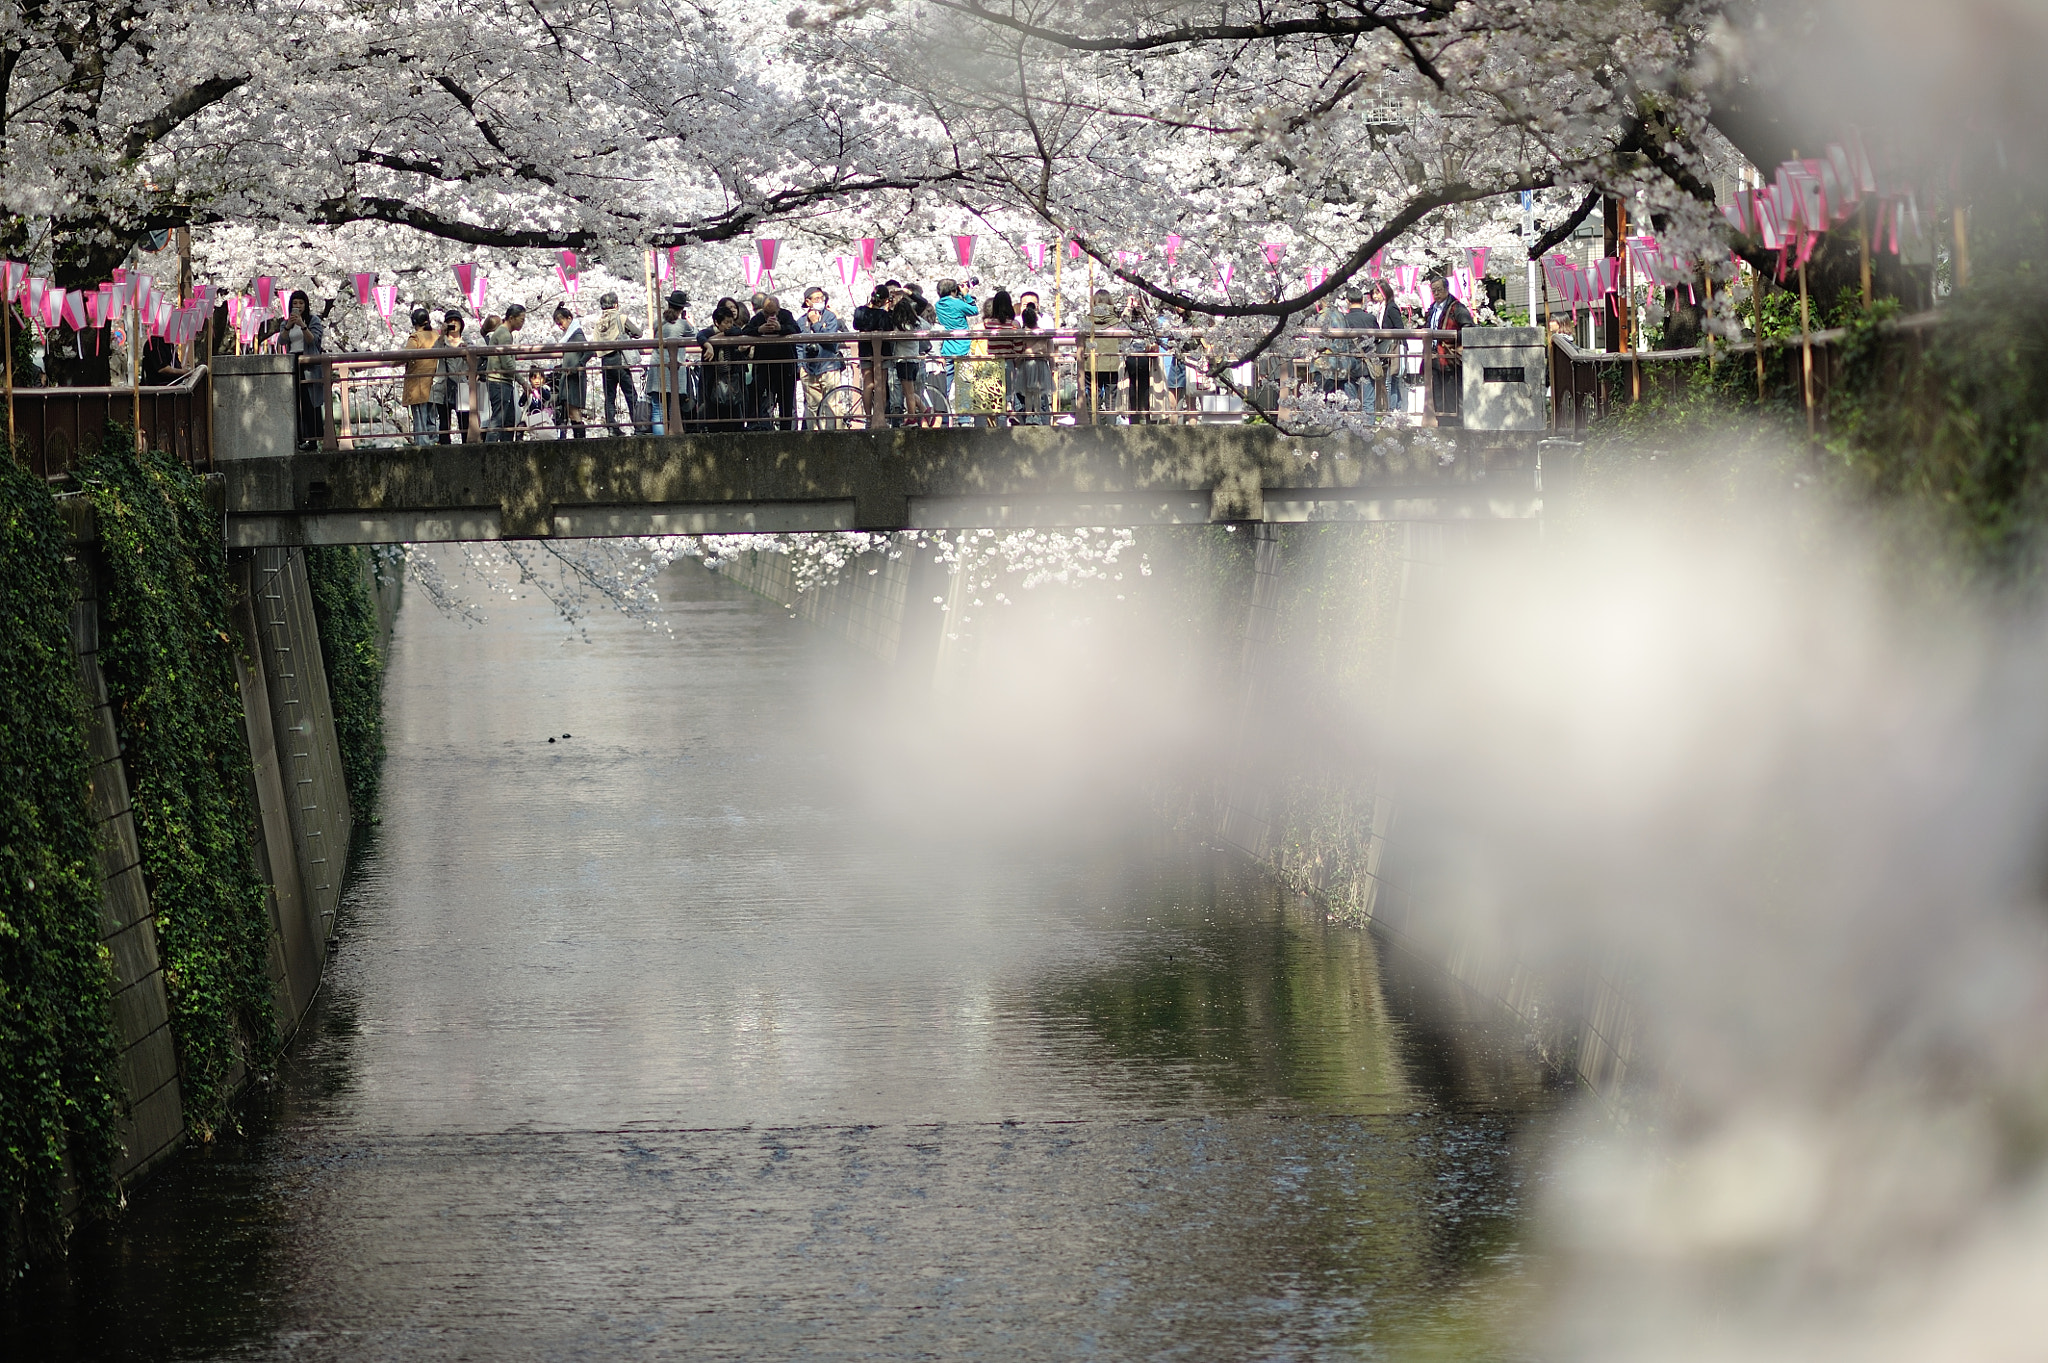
(363, 283)
(1035, 255)
(768, 247)
(1225, 272)
(867, 255)
(1274, 250)
(1172, 250)
(849, 271)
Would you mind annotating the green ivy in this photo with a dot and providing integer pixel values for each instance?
(170, 664)
(59, 1060)
(346, 613)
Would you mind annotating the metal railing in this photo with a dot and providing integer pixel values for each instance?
(1587, 385)
(836, 381)
(56, 427)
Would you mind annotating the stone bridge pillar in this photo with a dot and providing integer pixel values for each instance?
(253, 416)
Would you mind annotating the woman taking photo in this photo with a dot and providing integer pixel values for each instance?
(451, 383)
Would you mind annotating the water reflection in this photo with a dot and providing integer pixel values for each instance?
(642, 1045)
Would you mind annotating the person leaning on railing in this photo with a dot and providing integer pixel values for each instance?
(669, 389)
(301, 332)
(451, 380)
(874, 315)
(774, 363)
(418, 395)
(614, 325)
(822, 363)
(572, 380)
(1006, 350)
(1385, 384)
(501, 376)
(1034, 370)
(1101, 358)
(1139, 351)
(722, 373)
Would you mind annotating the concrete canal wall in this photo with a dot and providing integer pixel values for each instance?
(1345, 596)
(301, 839)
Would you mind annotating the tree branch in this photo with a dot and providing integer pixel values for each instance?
(201, 96)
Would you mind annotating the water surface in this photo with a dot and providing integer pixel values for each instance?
(654, 1042)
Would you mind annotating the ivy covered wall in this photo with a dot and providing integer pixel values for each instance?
(168, 654)
(59, 1083)
(345, 608)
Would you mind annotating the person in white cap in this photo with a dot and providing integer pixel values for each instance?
(614, 325)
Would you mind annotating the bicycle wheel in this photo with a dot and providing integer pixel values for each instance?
(843, 405)
(935, 403)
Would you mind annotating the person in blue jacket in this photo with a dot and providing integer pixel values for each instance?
(957, 311)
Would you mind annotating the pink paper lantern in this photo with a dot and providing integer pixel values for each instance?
(867, 254)
(1274, 250)
(1172, 249)
(963, 247)
(1225, 272)
(363, 283)
(264, 287)
(768, 248)
(465, 275)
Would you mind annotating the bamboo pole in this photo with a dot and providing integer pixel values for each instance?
(1805, 350)
(1059, 259)
(1863, 251)
(654, 334)
(7, 343)
(135, 363)
(1706, 336)
(1962, 229)
(1756, 294)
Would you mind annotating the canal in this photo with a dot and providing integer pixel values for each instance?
(655, 1040)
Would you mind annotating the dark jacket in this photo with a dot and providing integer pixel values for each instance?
(1451, 316)
(572, 380)
(780, 322)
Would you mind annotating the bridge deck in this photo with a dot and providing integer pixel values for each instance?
(900, 479)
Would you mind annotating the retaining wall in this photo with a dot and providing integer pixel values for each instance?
(304, 822)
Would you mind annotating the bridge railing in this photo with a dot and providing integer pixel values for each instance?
(1588, 385)
(836, 381)
(57, 427)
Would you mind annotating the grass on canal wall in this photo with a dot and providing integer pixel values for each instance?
(169, 656)
(59, 1083)
(345, 610)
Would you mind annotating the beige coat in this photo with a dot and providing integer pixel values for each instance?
(419, 374)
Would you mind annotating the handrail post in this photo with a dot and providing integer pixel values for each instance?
(475, 434)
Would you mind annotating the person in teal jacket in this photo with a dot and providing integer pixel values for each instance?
(957, 311)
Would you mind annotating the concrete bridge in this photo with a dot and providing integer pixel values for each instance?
(729, 482)
(865, 480)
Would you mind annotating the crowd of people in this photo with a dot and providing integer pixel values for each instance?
(902, 356)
